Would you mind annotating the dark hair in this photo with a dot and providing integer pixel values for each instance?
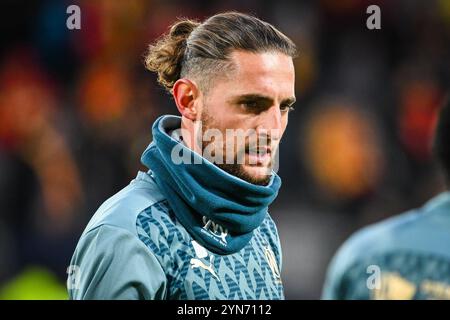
(441, 144)
(201, 50)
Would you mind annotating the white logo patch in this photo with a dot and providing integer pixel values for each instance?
(201, 253)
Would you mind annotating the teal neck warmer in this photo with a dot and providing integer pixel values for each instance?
(219, 210)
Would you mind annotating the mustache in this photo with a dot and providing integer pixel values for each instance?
(261, 143)
(260, 149)
(254, 144)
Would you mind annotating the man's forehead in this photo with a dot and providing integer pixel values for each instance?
(266, 74)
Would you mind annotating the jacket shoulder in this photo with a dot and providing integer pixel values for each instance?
(123, 208)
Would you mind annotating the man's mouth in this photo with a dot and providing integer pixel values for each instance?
(258, 156)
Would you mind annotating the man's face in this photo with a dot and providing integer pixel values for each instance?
(255, 98)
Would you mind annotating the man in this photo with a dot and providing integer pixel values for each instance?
(196, 225)
(405, 257)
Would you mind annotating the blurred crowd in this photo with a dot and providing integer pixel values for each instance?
(76, 108)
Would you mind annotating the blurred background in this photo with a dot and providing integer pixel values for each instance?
(76, 107)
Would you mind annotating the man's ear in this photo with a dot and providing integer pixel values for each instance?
(185, 93)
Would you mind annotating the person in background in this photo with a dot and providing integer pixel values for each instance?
(404, 257)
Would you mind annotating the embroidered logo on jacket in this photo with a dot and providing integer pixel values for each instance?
(271, 260)
(216, 230)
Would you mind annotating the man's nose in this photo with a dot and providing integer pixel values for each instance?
(270, 123)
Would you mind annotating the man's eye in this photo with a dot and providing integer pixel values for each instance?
(251, 104)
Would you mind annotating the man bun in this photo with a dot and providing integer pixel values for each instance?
(165, 57)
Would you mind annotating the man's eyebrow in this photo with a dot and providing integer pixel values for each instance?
(250, 97)
(289, 101)
(259, 97)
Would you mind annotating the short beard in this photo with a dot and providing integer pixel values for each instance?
(235, 168)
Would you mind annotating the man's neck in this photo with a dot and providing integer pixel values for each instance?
(190, 130)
